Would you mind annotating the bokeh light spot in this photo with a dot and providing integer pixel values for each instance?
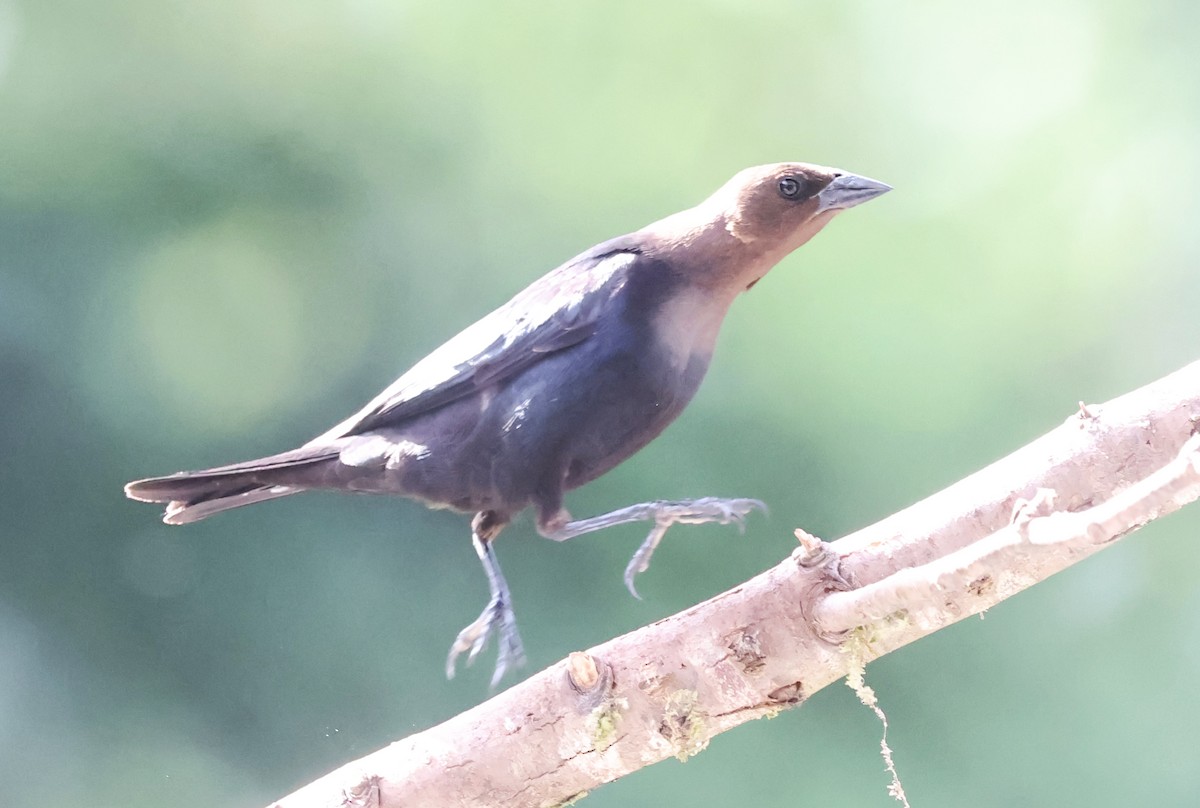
(221, 325)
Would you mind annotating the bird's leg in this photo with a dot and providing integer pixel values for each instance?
(497, 616)
(663, 514)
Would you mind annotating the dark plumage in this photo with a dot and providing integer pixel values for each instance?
(556, 387)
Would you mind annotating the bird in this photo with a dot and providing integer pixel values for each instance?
(556, 387)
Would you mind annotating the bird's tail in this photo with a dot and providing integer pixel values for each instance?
(194, 495)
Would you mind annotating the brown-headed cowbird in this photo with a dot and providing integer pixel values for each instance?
(557, 386)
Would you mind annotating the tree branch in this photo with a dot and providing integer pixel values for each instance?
(769, 643)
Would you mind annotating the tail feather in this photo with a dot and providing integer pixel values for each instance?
(182, 513)
(194, 495)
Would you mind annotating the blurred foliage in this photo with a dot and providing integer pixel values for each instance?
(225, 225)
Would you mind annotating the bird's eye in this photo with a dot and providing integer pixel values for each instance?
(791, 188)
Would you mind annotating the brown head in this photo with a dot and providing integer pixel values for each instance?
(758, 217)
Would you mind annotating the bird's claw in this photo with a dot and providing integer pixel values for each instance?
(691, 512)
(497, 617)
(640, 562)
(735, 511)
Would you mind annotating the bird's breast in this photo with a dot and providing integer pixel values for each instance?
(686, 325)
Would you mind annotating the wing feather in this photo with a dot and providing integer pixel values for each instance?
(557, 311)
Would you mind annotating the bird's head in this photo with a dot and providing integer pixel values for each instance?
(782, 205)
(763, 213)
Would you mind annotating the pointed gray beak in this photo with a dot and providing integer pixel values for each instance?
(849, 190)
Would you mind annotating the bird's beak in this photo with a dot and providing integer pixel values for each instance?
(849, 190)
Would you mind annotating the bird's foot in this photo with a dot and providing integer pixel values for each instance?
(723, 511)
(687, 512)
(497, 617)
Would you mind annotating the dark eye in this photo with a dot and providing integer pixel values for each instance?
(791, 188)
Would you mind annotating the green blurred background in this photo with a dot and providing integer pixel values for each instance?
(225, 225)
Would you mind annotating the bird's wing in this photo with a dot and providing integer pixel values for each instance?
(557, 311)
